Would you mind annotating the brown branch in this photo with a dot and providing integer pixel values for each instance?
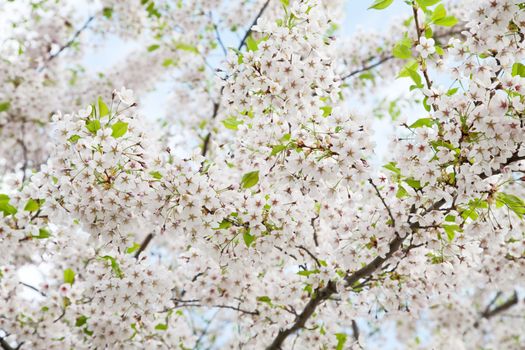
(249, 31)
(5, 345)
(70, 42)
(383, 201)
(513, 300)
(365, 68)
(355, 330)
(217, 104)
(144, 245)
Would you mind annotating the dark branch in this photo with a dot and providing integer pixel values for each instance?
(70, 42)
(217, 104)
(144, 245)
(249, 31)
(366, 68)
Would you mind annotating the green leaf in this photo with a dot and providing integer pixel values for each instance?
(161, 327)
(69, 276)
(250, 179)
(115, 267)
(307, 273)
(4, 106)
(415, 184)
(224, 225)
(341, 340)
(251, 44)
(514, 203)
(107, 12)
(119, 129)
(264, 299)
(248, 238)
(277, 149)
(153, 47)
(447, 21)
(439, 12)
(517, 69)
(425, 3)
(327, 110)
(32, 205)
(393, 168)
(452, 91)
(168, 62)
(186, 47)
(403, 49)
(133, 248)
(428, 122)
(451, 231)
(93, 126)
(381, 4)
(103, 109)
(232, 123)
(156, 175)
(5, 207)
(42, 234)
(74, 138)
(81, 320)
(401, 192)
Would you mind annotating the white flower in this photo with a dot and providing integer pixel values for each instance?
(125, 95)
(426, 47)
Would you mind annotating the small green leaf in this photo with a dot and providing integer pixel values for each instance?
(251, 43)
(107, 12)
(168, 62)
(393, 168)
(307, 273)
(265, 299)
(5, 207)
(403, 49)
(341, 340)
(153, 47)
(103, 109)
(248, 238)
(277, 149)
(447, 21)
(81, 320)
(425, 3)
(250, 179)
(428, 122)
(69, 276)
(327, 110)
(517, 69)
(156, 175)
(232, 123)
(186, 47)
(119, 129)
(32, 205)
(381, 4)
(133, 248)
(438, 13)
(74, 138)
(161, 327)
(224, 225)
(4, 106)
(451, 230)
(115, 267)
(42, 234)
(514, 203)
(93, 125)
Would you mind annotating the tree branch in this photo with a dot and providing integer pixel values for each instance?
(217, 104)
(70, 42)
(144, 245)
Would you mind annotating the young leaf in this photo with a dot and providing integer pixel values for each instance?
(250, 179)
(232, 123)
(447, 21)
(119, 129)
(153, 47)
(69, 276)
(102, 108)
(5, 207)
(4, 106)
(32, 205)
(248, 238)
(428, 122)
(518, 69)
(93, 126)
(514, 203)
(381, 4)
(341, 340)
